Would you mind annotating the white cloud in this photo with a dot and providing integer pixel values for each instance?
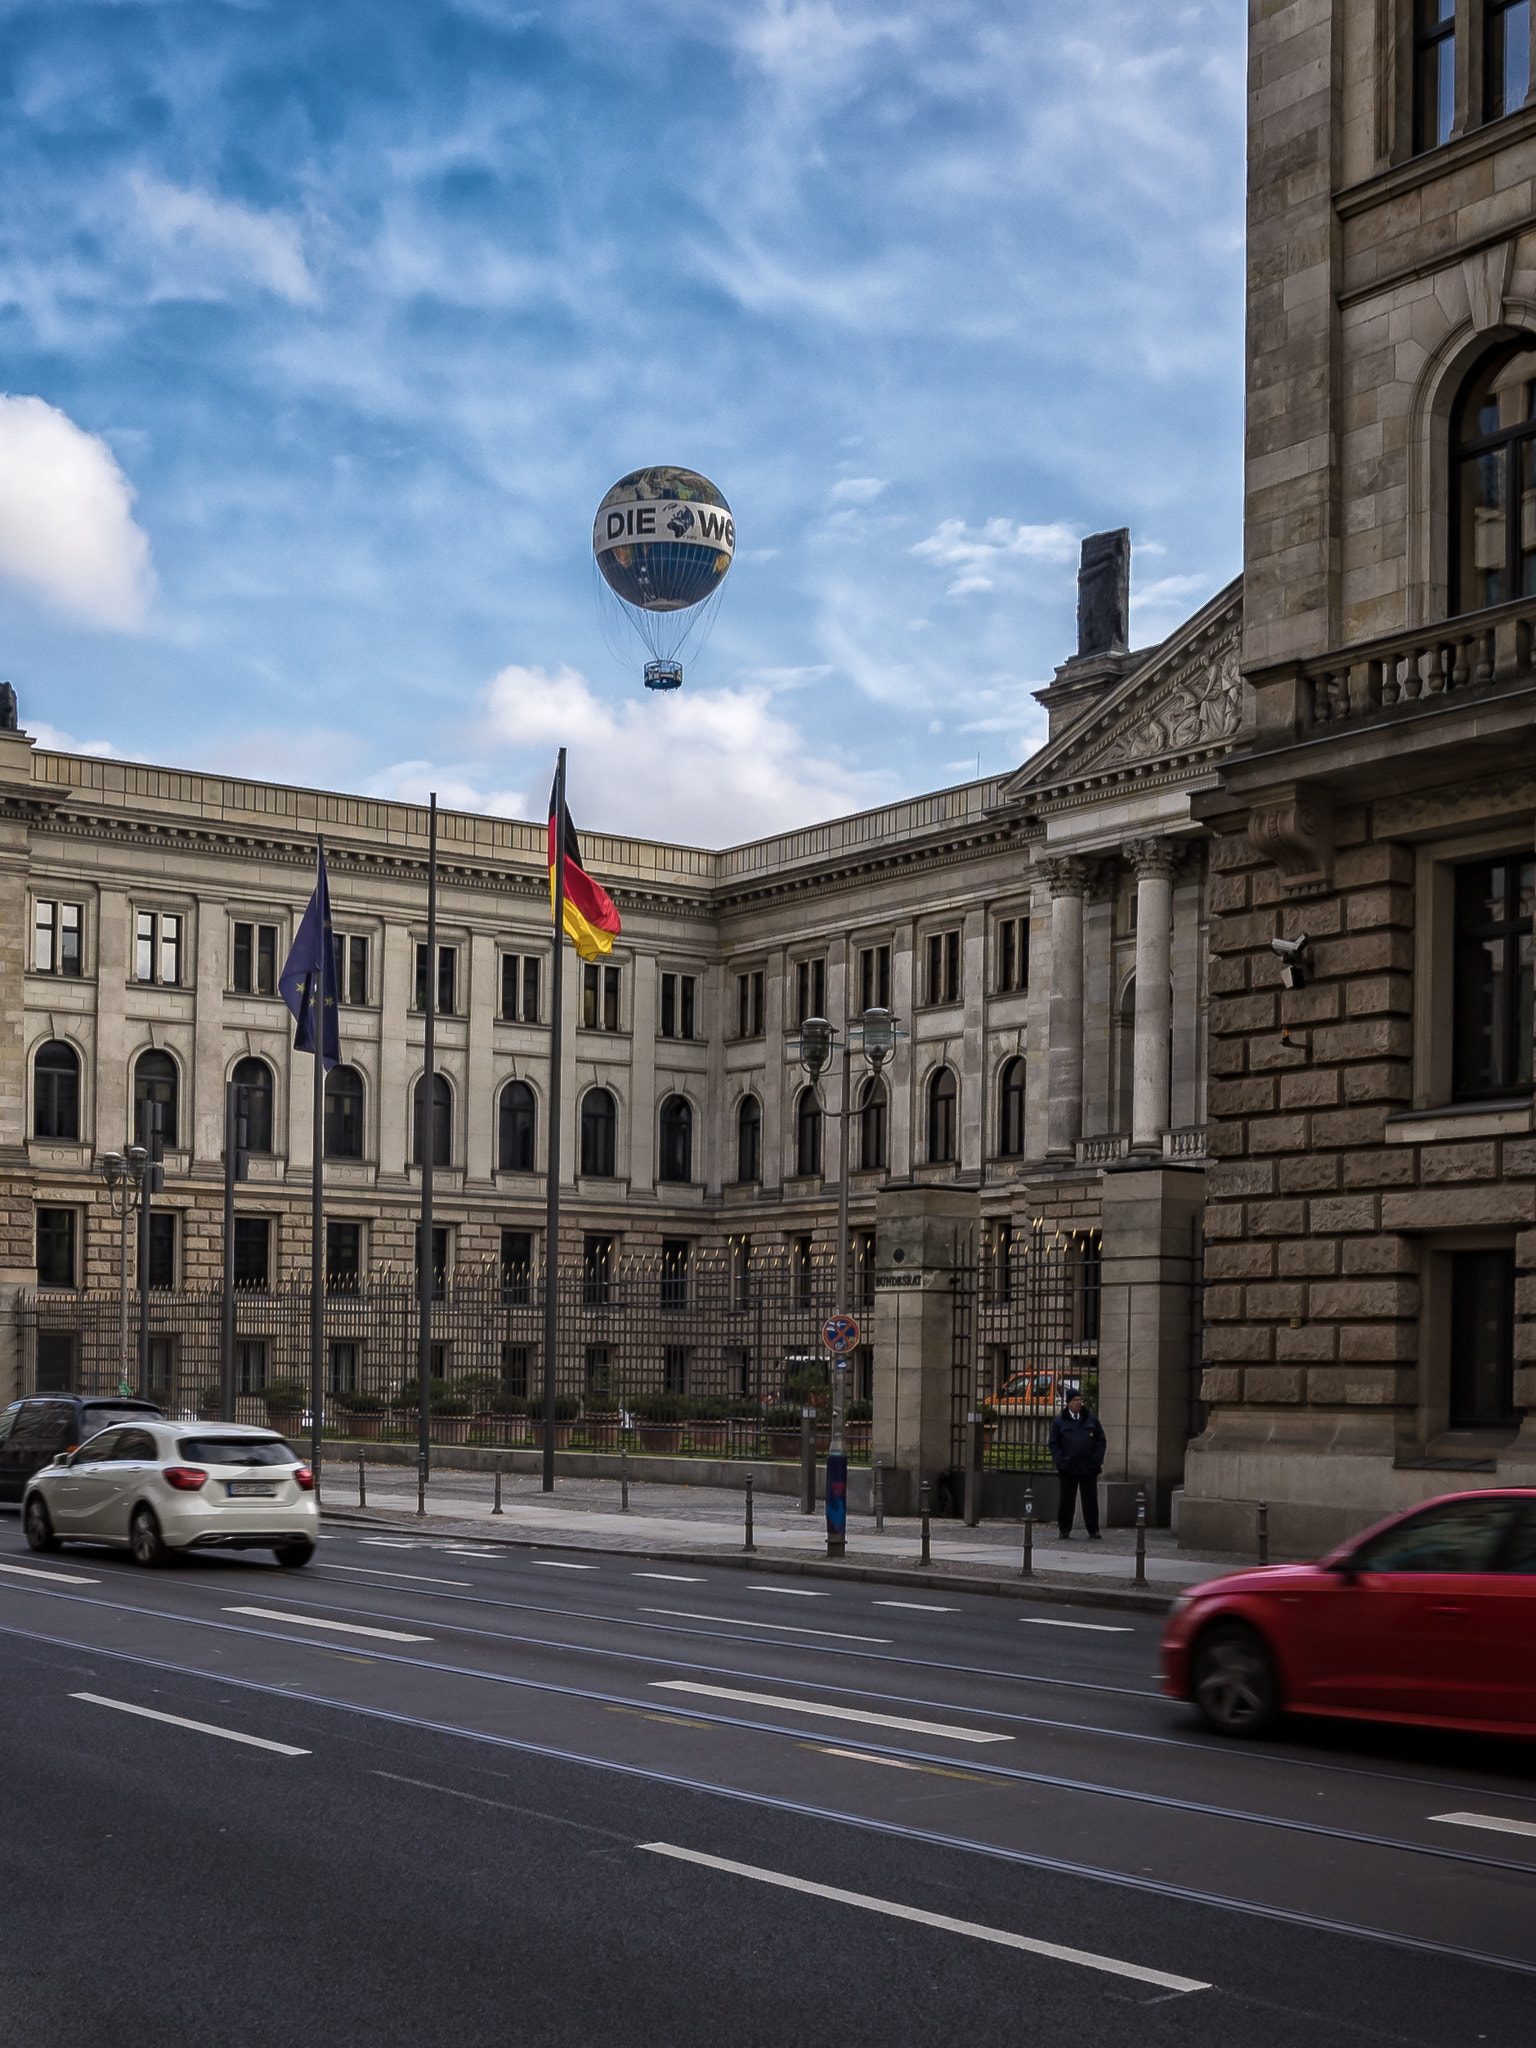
(53, 741)
(207, 240)
(978, 556)
(858, 490)
(66, 518)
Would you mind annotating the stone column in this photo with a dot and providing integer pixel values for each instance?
(917, 1234)
(1153, 861)
(1067, 880)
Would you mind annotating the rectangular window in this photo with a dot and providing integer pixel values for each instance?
(343, 1257)
(597, 1366)
(810, 989)
(514, 1370)
(255, 959)
(600, 998)
(944, 967)
(445, 980)
(351, 968)
(439, 1259)
(596, 1270)
(343, 1378)
(1491, 1035)
(162, 1248)
(250, 1365)
(875, 978)
(738, 1370)
(674, 1272)
(517, 1265)
(1012, 955)
(1434, 72)
(677, 1005)
(520, 988)
(749, 1004)
(57, 945)
(253, 1251)
(1482, 1338)
(674, 1368)
(56, 1350)
(157, 948)
(1506, 58)
(56, 1248)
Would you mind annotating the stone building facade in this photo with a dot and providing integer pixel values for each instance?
(1371, 1313)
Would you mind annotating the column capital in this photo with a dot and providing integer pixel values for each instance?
(1151, 856)
(1066, 874)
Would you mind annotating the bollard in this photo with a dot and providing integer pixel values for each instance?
(362, 1482)
(925, 1511)
(623, 1479)
(496, 1508)
(877, 1495)
(749, 1544)
(1141, 1536)
(807, 1461)
(1263, 1532)
(1028, 1571)
(421, 1483)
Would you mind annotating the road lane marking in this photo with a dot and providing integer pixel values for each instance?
(391, 1542)
(1053, 1951)
(784, 1628)
(1494, 1822)
(95, 1699)
(861, 1714)
(27, 1571)
(672, 1578)
(378, 1571)
(865, 1756)
(1099, 1628)
(557, 1564)
(794, 1592)
(917, 1606)
(346, 1628)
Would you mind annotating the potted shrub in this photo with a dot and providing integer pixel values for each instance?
(710, 1429)
(860, 1423)
(566, 1406)
(782, 1424)
(661, 1418)
(361, 1416)
(602, 1419)
(450, 1420)
(285, 1401)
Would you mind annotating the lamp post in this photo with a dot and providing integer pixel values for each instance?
(123, 1173)
(874, 1034)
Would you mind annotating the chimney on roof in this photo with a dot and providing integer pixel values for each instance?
(1104, 594)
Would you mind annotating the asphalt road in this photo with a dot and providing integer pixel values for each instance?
(428, 1791)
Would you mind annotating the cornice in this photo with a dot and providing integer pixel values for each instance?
(1445, 162)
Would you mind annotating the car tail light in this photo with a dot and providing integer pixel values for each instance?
(185, 1478)
(303, 1477)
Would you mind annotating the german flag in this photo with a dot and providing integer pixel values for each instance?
(590, 918)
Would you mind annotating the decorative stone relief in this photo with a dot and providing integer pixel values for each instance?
(1150, 856)
(1487, 279)
(1204, 706)
(1293, 827)
(1066, 875)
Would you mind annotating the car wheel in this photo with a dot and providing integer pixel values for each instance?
(1235, 1684)
(294, 1554)
(38, 1526)
(144, 1538)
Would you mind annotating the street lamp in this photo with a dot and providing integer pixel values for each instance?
(874, 1034)
(123, 1173)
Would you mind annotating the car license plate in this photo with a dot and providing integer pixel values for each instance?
(251, 1489)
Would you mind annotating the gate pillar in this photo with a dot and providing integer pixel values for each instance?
(923, 1236)
(1146, 1335)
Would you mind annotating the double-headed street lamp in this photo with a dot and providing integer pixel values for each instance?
(123, 1173)
(874, 1034)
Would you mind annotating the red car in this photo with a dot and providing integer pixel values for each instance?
(1427, 1618)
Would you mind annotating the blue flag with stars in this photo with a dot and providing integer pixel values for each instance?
(308, 979)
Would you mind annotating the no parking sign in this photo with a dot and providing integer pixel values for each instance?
(840, 1334)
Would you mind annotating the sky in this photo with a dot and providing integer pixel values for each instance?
(325, 328)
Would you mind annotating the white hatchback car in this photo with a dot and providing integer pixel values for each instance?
(157, 1487)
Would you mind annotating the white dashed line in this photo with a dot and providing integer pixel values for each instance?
(1099, 1628)
(379, 1571)
(1494, 1822)
(812, 1707)
(783, 1628)
(26, 1571)
(794, 1592)
(94, 1699)
(346, 1628)
(917, 1606)
(672, 1578)
(556, 1564)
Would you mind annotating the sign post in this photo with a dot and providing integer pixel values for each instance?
(840, 1334)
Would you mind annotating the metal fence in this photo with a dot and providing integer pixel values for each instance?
(712, 1354)
(1026, 1332)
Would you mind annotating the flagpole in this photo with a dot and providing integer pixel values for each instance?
(317, 1196)
(426, 1276)
(552, 1177)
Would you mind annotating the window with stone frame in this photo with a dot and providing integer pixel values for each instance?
(942, 980)
(1506, 57)
(874, 978)
(943, 1120)
(253, 959)
(600, 998)
(1492, 1003)
(808, 1134)
(874, 1124)
(447, 963)
(1434, 72)
(56, 1091)
(749, 1004)
(1011, 955)
(810, 989)
(1482, 1377)
(1010, 1110)
(57, 1239)
(749, 1139)
(56, 937)
(1493, 482)
(520, 987)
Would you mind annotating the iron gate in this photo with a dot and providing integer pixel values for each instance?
(1025, 1333)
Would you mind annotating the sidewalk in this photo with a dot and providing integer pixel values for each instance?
(705, 1524)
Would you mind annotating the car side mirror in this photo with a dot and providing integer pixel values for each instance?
(1345, 1567)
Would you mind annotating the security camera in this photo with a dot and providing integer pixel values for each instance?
(1292, 954)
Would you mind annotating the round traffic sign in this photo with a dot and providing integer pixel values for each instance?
(840, 1334)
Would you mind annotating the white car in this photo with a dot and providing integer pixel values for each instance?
(156, 1487)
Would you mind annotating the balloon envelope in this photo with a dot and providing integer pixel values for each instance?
(663, 539)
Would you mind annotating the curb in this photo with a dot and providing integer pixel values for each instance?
(1076, 1594)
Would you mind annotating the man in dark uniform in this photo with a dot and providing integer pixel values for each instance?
(1077, 1451)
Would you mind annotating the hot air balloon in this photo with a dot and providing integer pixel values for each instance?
(663, 540)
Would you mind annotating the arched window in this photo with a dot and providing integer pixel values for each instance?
(442, 1121)
(518, 1128)
(1010, 1110)
(749, 1139)
(255, 1076)
(808, 1133)
(676, 1139)
(1493, 483)
(872, 1123)
(343, 1113)
(56, 1091)
(941, 1118)
(599, 1122)
(154, 1080)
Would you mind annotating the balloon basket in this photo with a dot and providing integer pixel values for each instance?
(663, 675)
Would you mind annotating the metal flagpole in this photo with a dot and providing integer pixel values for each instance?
(426, 1274)
(552, 1177)
(316, 1188)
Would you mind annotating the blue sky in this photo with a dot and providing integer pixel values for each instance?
(324, 328)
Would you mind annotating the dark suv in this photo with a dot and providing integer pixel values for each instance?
(34, 1431)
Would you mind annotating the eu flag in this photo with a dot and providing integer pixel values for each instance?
(309, 975)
